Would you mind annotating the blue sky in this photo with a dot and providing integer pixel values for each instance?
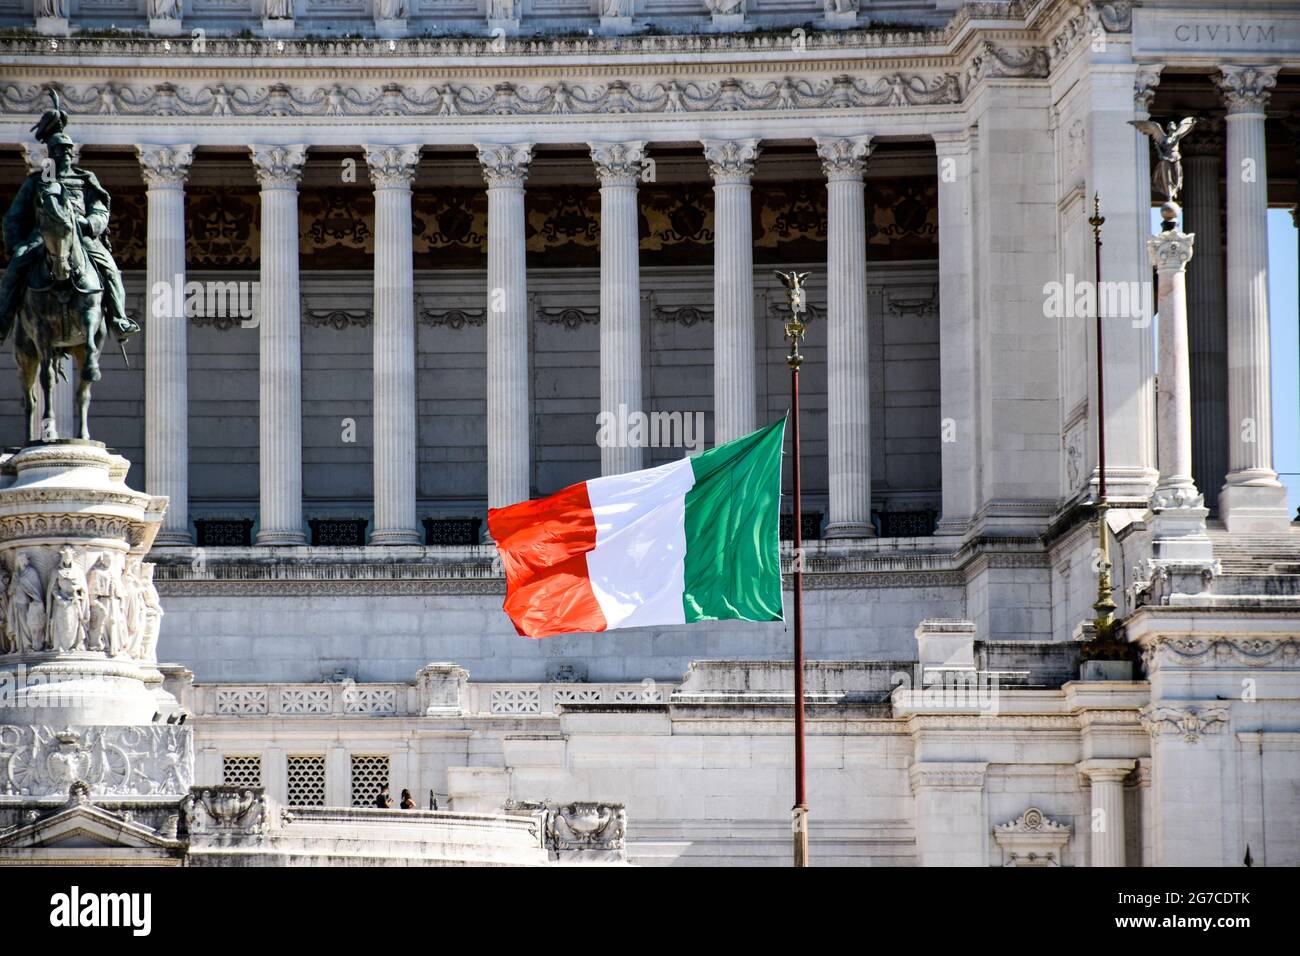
(1284, 302)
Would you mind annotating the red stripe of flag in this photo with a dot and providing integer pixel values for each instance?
(543, 546)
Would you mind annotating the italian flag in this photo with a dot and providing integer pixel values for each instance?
(693, 540)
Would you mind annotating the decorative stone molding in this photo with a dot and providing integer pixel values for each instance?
(449, 318)
(1217, 652)
(731, 161)
(442, 689)
(1246, 89)
(687, 315)
(113, 761)
(505, 165)
(339, 319)
(1145, 83)
(393, 167)
(278, 167)
(223, 815)
(570, 317)
(586, 825)
(965, 775)
(913, 305)
(165, 167)
(1170, 251)
(1032, 839)
(618, 164)
(843, 157)
(1191, 721)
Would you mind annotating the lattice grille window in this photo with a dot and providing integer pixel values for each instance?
(306, 780)
(241, 771)
(369, 773)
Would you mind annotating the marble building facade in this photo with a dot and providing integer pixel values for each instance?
(435, 240)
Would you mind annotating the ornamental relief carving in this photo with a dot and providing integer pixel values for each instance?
(124, 761)
(524, 99)
(75, 600)
(1190, 721)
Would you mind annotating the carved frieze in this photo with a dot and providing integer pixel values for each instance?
(1190, 721)
(122, 761)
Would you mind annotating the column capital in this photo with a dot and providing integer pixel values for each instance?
(1101, 770)
(1170, 251)
(843, 157)
(1145, 82)
(505, 164)
(1246, 89)
(953, 143)
(618, 164)
(731, 161)
(278, 167)
(165, 167)
(393, 167)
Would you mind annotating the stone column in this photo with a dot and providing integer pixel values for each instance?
(1107, 782)
(1252, 499)
(731, 163)
(617, 166)
(166, 396)
(1207, 329)
(392, 169)
(848, 389)
(958, 408)
(1170, 252)
(278, 170)
(504, 168)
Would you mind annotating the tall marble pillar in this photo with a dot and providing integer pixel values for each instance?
(618, 165)
(731, 163)
(1252, 500)
(279, 168)
(505, 167)
(848, 389)
(166, 374)
(1180, 548)
(1106, 778)
(1207, 327)
(392, 169)
(958, 406)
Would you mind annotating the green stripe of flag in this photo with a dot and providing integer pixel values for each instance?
(733, 514)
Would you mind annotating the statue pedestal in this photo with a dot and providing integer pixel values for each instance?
(841, 20)
(169, 27)
(616, 25)
(79, 629)
(52, 26)
(280, 27)
(390, 29)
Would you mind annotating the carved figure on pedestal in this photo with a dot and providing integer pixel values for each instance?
(67, 604)
(501, 10)
(153, 613)
(26, 607)
(390, 9)
(1168, 174)
(278, 10)
(104, 627)
(841, 6)
(615, 8)
(52, 9)
(133, 608)
(725, 7)
(8, 640)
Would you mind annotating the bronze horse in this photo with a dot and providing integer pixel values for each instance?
(60, 315)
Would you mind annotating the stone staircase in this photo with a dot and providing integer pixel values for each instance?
(1263, 564)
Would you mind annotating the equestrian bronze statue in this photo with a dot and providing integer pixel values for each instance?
(62, 284)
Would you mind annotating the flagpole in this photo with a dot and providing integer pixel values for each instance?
(1104, 621)
(794, 331)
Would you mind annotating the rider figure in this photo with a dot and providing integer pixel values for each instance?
(89, 202)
